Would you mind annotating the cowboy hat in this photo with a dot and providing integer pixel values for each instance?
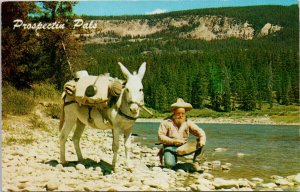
(180, 103)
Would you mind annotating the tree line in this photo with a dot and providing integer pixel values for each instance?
(223, 75)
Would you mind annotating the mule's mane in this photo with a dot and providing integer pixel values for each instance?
(113, 100)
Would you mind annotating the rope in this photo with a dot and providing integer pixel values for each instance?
(70, 67)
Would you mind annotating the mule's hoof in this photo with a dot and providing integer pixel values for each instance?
(115, 170)
(81, 160)
(64, 162)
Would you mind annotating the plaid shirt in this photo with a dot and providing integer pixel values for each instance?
(168, 131)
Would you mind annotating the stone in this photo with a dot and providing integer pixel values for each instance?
(220, 183)
(136, 151)
(135, 178)
(224, 167)
(180, 171)
(200, 187)
(180, 189)
(275, 177)
(24, 180)
(291, 178)
(283, 182)
(206, 167)
(157, 169)
(257, 180)
(80, 167)
(157, 183)
(70, 169)
(268, 185)
(197, 167)
(89, 186)
(220, 150)
(133, 184)
(22, 185)
(297, 179)
(59, 167)
(207, 176)
(51, 185)
(205, 183)
(240, 154)
(246, 183)
(12, 188)
(216, 163)
(98, 169)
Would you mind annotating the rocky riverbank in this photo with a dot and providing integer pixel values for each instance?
(225, 120)
(35, 166)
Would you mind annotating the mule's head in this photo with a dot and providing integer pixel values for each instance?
(133, 91)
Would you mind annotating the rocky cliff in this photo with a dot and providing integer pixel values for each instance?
(196, 27)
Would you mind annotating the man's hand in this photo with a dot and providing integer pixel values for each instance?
(201, 143)
(178, 142)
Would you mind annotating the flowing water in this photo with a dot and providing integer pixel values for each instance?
(268, 149)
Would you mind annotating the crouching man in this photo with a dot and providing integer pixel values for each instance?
(173, 133)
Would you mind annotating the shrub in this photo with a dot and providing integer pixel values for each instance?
(45, 91)
(37, 123)
(16, 102)
(54, 110)
(13, 140)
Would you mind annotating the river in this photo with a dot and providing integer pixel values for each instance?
(268, 149)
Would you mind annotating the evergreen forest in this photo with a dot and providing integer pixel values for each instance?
(223, 75)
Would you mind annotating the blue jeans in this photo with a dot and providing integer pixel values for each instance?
(170, 157)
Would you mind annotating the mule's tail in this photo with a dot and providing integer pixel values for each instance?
(62, 115)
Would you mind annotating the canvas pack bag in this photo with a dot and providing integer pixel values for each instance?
(92, 90)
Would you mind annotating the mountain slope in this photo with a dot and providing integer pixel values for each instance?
(207, 24)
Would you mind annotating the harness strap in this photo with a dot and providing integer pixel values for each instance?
(90, 119)
(69, 103)
(127, 116)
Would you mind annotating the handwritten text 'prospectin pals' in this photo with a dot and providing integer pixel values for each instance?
(77, 23)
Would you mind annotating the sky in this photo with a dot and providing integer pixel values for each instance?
(141, 7)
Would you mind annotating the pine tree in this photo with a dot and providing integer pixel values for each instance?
(162, 98)
(216, 87)
(270, 86)
(18, 45)
(249, 96)
(53, 41)
(226, 90)
(199, 91)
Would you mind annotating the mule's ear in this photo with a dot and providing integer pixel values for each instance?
(142, 70)
(124, 70)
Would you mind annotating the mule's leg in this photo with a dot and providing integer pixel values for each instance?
(76, 138)
(66, 129)
(115, 148)
(127, 143)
